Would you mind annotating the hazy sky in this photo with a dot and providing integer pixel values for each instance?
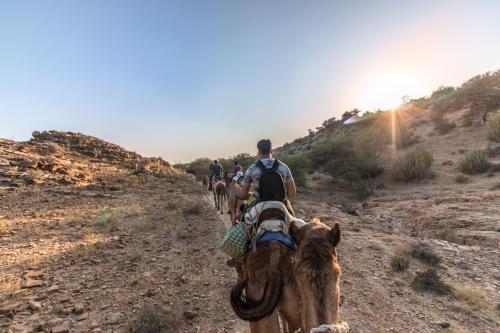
(183, 79)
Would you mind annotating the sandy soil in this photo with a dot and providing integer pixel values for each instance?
(62, 272)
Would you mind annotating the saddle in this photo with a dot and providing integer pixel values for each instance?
(270, 220)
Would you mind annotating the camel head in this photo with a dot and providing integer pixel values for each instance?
(317, 275)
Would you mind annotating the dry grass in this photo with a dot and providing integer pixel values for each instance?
(474, 162)
(429, 281)
(413, 166)
(192, 209)
(447, 234)
(400, 263)
(494, 128)
(471, 295)
(424, 253)
(154, 319)
(461, 179)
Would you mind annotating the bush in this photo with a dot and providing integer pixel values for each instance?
(400, 263)
(369, 146)
(413, 166)
(199, 166)
(347, 208)
(299, 165)
(424, 253)
(494, 128)
(444, 127)
(470, 295)
(429, 281)
(153, 319)
(322, 153)
(194, 209)
(474, 162)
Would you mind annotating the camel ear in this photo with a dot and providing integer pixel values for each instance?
(335, 235)
(295, 233)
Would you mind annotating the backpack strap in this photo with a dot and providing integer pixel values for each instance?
(276, 165)
(260, 165)
(263, 168)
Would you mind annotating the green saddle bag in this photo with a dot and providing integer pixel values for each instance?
(235, 242)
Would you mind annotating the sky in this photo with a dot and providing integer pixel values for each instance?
(208, 78)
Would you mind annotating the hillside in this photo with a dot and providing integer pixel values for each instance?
(70, 158)
(94, 238)
(464, 106)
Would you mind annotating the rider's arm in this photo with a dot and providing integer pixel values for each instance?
(290, 188)
(290, 184)
(247, 183)
(244, 192)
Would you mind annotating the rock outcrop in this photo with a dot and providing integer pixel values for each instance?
(53, 157)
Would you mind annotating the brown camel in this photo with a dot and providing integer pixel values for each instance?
(205, 181)
(220, 192)
(302, 285)
(233, 202)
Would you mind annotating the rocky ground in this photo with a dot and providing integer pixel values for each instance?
(378, 299)
(110, 251)
(126, 244)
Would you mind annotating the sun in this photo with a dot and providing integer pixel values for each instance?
(385, 90)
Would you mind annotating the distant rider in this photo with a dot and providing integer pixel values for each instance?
(215, 171)
(236, 168)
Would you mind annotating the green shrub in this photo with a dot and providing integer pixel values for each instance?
(198, 166)
(429, 281)
(368, 147)
(474, 162)
(413, 166)
(400, 263)
(494, 128)
(347, 208)
(299, 165)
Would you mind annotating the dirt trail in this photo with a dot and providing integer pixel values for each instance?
(62, 272)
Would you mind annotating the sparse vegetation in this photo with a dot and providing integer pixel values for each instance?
(429, 281)
(347, 208)
(153, 319)
(447, 234)
(461, 179)
(474, 162)
(494, 127)
(472, 296)
(104, 218)
(300, 165)
(400, 263)
(192, 209)
(424, 253)
(413, 166)
(444, 127)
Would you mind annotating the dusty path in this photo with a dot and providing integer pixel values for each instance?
(61, 272)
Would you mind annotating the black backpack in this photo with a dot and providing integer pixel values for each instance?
(271, 185)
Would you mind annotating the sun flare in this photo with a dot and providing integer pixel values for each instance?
(386, 90)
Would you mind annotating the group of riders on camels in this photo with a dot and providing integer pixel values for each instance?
(286, 268)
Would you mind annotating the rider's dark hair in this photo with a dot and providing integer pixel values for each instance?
(215, 161)
(264, 146)
(235, 162)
